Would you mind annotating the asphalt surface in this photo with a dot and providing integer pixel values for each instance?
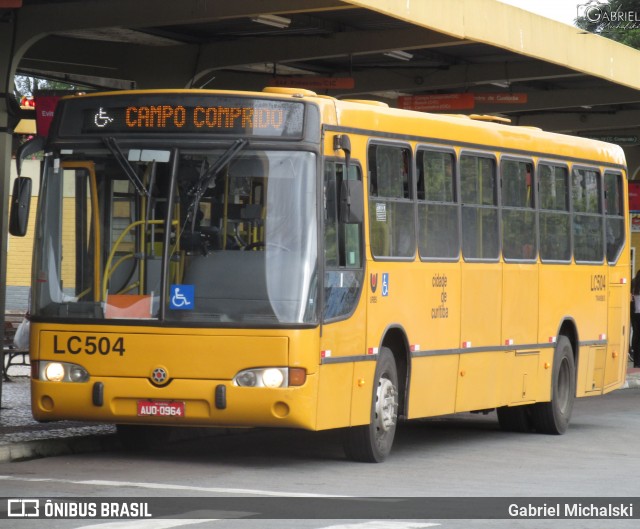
(21, 437)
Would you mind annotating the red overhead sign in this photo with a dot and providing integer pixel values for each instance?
(315, 83)
(438, 102)
(459, 101)
(634, 196)
(500, 98)
(45, 106)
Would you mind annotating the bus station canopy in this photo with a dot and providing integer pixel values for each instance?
(453, 56)
(466, 56)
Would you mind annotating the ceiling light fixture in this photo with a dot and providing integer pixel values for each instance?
(400, 55)
(273, 20)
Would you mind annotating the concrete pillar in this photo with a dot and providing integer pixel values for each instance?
(12, 48)
(7, 69)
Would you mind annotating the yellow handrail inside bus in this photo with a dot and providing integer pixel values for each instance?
(107, 269)
(115, 267)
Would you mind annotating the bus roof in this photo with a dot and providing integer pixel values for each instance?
(463, 131)
(379, 120)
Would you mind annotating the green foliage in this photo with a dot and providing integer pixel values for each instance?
(617, 20)
(28, 86)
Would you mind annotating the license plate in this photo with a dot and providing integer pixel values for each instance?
(154, 408)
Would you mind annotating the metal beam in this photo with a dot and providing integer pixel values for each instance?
(465, 77)
(77, 54)
(289, 49)
(559, 99)
(121, 60)
(54, 17)
(171, 66)
(91, 81)
(404, 79)
(582, 121)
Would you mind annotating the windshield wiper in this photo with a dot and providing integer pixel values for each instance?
(117, 153)
(209, 176)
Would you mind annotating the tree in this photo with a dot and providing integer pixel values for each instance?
(28, 86)
(617, 20)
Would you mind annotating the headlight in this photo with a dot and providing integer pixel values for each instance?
(270, 377)
(61, 372)
(54, 372)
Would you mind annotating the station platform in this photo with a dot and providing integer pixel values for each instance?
(22, 437)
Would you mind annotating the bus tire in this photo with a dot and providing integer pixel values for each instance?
(514, 419)
(371, 443)
(553, 417)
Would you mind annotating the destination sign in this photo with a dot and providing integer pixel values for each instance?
(237, 116)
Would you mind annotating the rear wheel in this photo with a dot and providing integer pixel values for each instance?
(553, 417)
(371, 443)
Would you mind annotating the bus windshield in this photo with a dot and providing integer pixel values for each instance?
(224, 235)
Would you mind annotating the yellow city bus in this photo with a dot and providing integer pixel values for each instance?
(285, 259)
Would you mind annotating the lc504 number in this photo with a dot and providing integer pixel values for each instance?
(89, 345)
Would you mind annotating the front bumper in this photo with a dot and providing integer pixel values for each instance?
(293, 407)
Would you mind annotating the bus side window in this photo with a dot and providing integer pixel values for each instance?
(518, 213)
(343, 248)
(555, 218)
(479, 193)
(614, 219)
(391, 207)
(438, 233)
(588, 238)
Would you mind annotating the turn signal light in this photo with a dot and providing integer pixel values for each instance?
(297, 376)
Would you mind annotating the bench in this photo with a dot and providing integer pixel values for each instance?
(11, 355)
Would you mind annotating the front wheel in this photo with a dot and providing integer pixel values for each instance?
(553, 417)
(371, 443)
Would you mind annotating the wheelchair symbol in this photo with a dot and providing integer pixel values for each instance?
(179, 300)
(182, 297)
(101, 119)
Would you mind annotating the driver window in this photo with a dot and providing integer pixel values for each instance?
(342, 246)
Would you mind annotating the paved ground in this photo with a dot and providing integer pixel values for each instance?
(21, 437)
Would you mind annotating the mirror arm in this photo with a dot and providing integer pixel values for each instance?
(26, 149)
(343, 142)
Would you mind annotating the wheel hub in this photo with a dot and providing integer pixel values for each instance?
(386, 405)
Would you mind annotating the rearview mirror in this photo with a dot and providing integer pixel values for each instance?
(20, 202)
